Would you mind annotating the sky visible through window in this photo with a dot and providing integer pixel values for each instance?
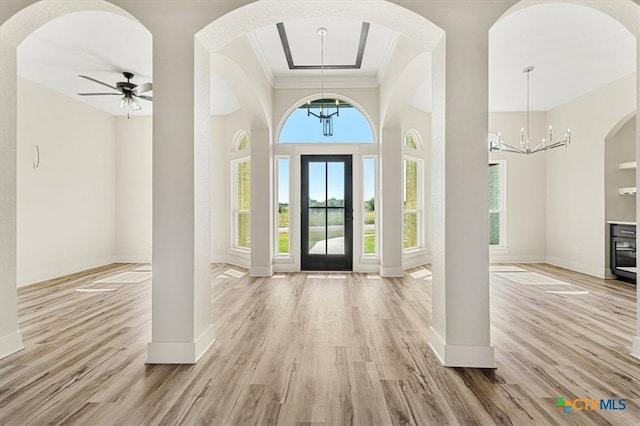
(350, 127)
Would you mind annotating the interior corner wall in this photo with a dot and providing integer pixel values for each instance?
(526, 189)
(576, 226)
(66, 206)
(134, 195)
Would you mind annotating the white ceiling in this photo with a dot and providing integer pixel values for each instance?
(575, 49)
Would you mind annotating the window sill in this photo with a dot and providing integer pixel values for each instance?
(499, 249)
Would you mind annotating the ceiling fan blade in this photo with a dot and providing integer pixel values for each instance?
(99, 94)
(141, 88)
(145, 97)
(98, 81)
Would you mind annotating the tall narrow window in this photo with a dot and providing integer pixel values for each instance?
(496, 204)
(283, 207)
(241, 169)
(369, 207)
(412, 205)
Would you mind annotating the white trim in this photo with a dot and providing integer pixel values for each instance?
(133, 258)
(635, 347)
(471, 356)
(386, 59)
(255, 44)
(180, 352)
(261, 271)
(234, 201)
(36, 277)
(336, 82)
(391, 272)
(10, 344)
(516, 258)
(414, 258)
(576, 266)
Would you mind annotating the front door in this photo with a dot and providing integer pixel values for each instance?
(327, 213)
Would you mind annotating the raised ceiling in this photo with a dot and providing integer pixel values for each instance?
(575, 50)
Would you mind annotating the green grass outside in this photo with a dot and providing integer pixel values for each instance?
(314, 237)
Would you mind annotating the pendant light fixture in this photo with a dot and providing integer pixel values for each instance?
(323, 115)
(545, 145)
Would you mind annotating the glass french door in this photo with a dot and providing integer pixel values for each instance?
(327, 213)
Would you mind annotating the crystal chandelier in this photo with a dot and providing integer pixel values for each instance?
(325, 117)
(545, 145)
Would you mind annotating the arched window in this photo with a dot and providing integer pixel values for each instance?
(413, 192)
(349, 125)
(241, 178)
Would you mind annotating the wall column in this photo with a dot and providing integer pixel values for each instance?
(392, 199)
(10, 336)
(261, 204)
(181, 306)
(459, 332)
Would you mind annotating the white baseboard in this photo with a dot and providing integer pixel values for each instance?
(508, 258)
(471, 356)
(588, 269)
(133, 258)
(391, 271)
(261, 271)
(635, 347)
(366, 268)
(10, 344)
(180, 352)
(38, 276)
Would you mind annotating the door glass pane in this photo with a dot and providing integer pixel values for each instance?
(317, 231)
(335, 240)
(317, 184)
(335, 187)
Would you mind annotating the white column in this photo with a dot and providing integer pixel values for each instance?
(635, 349)
(181, 301)
(10, 336)
(392, 199)
(459, 332)
(261, 204)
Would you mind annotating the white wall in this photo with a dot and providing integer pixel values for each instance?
(133, 188)
(576, 237)
(66, 207)
(620, 148)
(526, 189)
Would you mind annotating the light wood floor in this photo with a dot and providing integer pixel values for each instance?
(302, 350)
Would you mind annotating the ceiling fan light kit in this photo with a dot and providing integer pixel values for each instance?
(545, 145)
(128, 90)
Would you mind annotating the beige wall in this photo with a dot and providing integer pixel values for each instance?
(575, 177)
(67, 206)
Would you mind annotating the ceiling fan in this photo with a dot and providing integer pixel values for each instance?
(128, 90)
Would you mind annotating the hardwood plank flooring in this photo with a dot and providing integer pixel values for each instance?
(306, 351)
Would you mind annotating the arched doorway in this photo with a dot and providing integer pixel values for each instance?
(14, 31)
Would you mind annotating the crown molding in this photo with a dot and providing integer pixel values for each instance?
(387, 57)
(339, 82)
(255, 44)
